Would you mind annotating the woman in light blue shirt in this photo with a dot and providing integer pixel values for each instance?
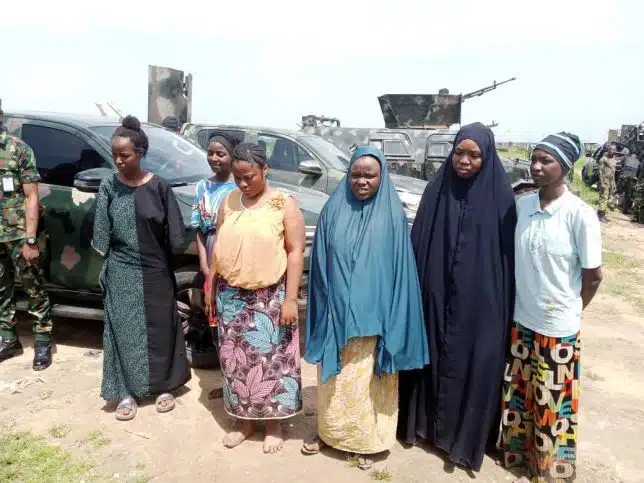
(558, 270)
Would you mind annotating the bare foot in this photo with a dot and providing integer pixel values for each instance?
(274, 437)
(242, 430)
(523, 479)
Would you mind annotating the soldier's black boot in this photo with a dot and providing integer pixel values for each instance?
(602, 217)
(10, 348)
(42, 355)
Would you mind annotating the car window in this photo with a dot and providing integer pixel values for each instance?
(394, 148)
(332, 156)
(438, 150)
(302, 155)
(281, 152)
(169, 155)
(59, 155)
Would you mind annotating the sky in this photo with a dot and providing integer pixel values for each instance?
(579, 67)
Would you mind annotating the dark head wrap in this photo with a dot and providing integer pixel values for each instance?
(170, 122)
(227, 139)
(566, 148)
(463, 241)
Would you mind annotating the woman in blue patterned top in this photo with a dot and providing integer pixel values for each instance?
(211, 192)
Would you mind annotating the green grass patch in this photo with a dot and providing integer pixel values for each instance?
(97, 439)
(586, 193)
(381, 475)
(624, 278)
(28, 458)
(352, 461)
(619, 261)
(59, 431)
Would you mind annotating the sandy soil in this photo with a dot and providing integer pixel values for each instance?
(186, 442)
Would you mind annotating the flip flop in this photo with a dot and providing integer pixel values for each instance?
(307, 447)
(364, 463)
(164, 397)
(126, 403)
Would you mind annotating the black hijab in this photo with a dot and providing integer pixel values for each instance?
(478, 216)
(463, 241)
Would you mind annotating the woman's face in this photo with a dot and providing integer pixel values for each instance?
(364, 178)
(545, 169)
(125, 156)
(250, 177)
(219, 158)
(467, 159)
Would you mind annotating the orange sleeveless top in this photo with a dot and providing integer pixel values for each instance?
(249, 250)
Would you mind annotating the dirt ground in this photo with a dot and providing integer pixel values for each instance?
(63, 404)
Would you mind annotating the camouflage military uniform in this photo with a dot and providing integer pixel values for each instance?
(606, 183)
(18, 165)
(638, 201)
(627, 181)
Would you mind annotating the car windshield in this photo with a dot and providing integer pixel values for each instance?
(333, 155)
(170, 156)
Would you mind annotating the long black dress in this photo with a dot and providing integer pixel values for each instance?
(463, 239)
(136, 230)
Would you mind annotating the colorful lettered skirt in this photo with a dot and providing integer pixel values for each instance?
(541, 404)
(260, 359)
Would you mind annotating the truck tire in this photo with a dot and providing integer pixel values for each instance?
(201, 349)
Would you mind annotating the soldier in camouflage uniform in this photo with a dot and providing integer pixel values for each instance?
(627, 181)
(19, 213)
(638, 198)
(607, 165)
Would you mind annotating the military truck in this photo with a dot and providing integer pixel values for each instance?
(73, 155)
(416, 138)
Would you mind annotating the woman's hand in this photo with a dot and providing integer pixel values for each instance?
(288, 315)
(210, 304)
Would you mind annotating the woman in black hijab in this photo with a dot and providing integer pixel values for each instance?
(463, 239)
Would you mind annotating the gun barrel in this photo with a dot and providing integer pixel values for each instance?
(485, 90)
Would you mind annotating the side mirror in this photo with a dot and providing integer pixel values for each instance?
(310, 167)
(89, 180)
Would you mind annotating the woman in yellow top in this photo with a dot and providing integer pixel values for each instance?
(255, 274)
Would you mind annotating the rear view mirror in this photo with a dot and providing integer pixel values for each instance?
(89, 180)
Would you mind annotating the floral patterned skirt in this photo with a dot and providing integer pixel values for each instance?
(260, 359)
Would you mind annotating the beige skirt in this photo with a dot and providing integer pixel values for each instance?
(357, 410)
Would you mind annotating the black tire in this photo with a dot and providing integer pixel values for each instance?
(201, 349)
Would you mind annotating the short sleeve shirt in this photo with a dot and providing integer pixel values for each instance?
(17, 168)
(552, 247)
(209, 195)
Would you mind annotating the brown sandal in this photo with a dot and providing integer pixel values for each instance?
(313, 446)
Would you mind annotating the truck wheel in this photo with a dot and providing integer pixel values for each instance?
(201, 349)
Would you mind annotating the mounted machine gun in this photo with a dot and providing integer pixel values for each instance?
(427, 111)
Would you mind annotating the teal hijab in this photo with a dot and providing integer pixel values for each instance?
(363, 280)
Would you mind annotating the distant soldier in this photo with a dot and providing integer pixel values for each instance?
(627, 181)
(607, 165)
(638, 202)
(19, 213)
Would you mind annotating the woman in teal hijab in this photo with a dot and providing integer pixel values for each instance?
(364, 316)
